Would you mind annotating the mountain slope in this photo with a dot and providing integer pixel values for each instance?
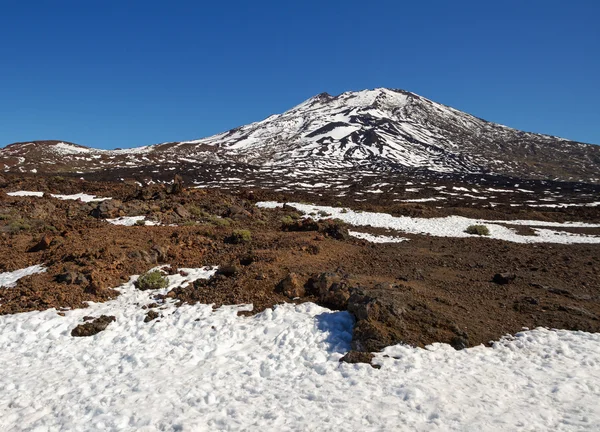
(379, 129)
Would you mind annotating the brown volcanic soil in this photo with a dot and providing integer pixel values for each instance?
(421, 291)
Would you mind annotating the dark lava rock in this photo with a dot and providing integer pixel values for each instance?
(291, 286)
(372, 336)
(91, 328)
(504, 278)
(151, 315)
(228, 270)
(108, 209)
(363, 307)
(246, 260)
(72, 277)
(459, 343)
(332, 291)
(335, 230)
(359, 357)
(302, 225)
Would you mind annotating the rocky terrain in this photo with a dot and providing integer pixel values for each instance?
(426, 224)
(462, 291)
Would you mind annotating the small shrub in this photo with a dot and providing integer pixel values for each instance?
(19, 225)
(189, 223)
(240, 236)
(140, 222)
(197, 211)
(287, 220)
(219, 221)
(324, 213)
(152, 280)
(480, 230)
(344, 210)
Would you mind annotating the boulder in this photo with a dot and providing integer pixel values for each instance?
(108, 209)
(332, 291)
(359, 357)
(72, 277)
(291, 286)
(182, 212)
(504, 278)
(91, 328)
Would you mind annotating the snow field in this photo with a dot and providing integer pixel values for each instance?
(450, 226)
(376, 238)
(80, 196)
(197, 369)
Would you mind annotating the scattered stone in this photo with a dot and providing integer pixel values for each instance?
(182, 212)
(359, 357)
(300, 225)
(331, 290)
(72, 277)
(504, 278)
(108, 209)
(246, 260)
(459, 343)
(151, 315)
(335, 230)
(91, 328)
(228, 270)
(291, 286)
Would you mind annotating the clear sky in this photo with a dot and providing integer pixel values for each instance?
(124, 73)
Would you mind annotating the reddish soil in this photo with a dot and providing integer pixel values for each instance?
(421, 291)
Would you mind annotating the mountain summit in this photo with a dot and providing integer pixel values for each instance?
(380, 129)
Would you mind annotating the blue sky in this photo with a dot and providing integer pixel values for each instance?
(124, 73)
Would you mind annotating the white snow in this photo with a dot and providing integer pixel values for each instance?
(79, 196)
(199, 369)
(376, 238)
(9, 279)
(417, 200)
(451, 226)
(130, 220)
(25, 194)
(70, 149)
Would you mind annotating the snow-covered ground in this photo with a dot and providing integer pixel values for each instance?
(198, 369)
(9, 279)
(79, 196)
(130, 220)
(376, 238)
(450, 226)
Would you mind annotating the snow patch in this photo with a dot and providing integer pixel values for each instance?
(376, 238)
(79, 196)
(199, 369)
(130, 220)
(9, 279)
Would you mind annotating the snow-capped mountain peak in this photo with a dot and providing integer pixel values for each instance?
(379, 129)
